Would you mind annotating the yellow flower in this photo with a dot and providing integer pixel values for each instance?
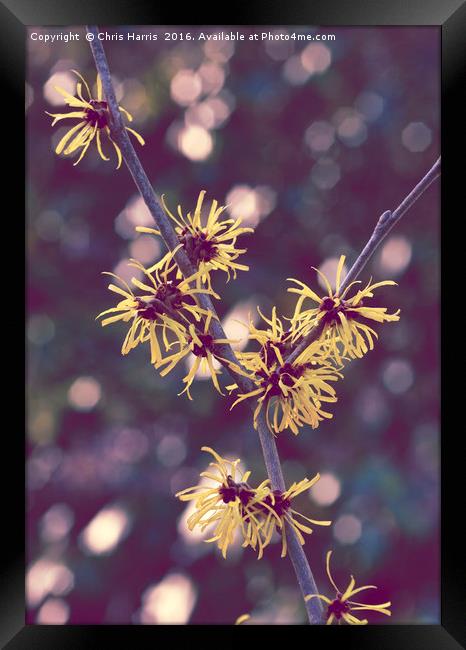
(291, 393)
(93, 119)
(210, 245)
(160, 311)
(202, 345)
(277, 509)
(342, 317)
(339, 609)
(229, 505)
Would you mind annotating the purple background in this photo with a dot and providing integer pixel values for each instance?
(310, 142)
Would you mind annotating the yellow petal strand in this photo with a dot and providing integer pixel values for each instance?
(67, 136)
(99, 147)
(138, 137)
(242, 619)
(99, 88)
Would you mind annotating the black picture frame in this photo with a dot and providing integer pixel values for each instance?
(450, 16)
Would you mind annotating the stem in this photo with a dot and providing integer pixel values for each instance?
(269, 449)
(383, 226)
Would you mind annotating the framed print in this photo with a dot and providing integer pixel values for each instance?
(233, 324)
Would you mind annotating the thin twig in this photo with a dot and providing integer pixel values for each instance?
(383, 226)
(269, 449)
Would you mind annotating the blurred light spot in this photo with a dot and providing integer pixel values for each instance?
(41, 465)
(40, 329)
(56, 523)
(129, 445)
(146, 249)
(279, 50)
(250, 204)
(236, 322)
(84, 393)
(66, 80)
(45, 577)
(126, 272)
(325, 174)
(329, 269)
(316, 58)
(352, 130)
(347, 529)
(135, 213)
(171, 450)
(55, 611)
(49, 225)
(294, 71)
(370, 104)
(106, 530)
(371, 406)
(219, 51)
(416, 136)
(195, 142)
(185, 87)
(320, 136)
(29, 96)
(326, 490)
(171, 601)
(38, 51)
(42, 426)
(75, 237)
(135, 99)
(398, 376)
(209, 114)
(395, 255)
(185, 476)
(212, 77)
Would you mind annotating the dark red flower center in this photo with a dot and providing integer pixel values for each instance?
(337, 608)
(280, 505)
(198, 248)
(207, 344)
(167, 298)
(98, 114)
(332, 310)
(268, 353)
(286, 374)
(232, 490)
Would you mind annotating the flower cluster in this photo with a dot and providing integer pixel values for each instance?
(292, 394)
(341, 607)
(168, 314)
(294, 388)
(161, 314)
(233, 505)
(93, 119)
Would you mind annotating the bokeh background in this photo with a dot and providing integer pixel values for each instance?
(309, 142)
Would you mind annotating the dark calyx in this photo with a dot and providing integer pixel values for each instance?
(233, 490)
(167, 299)
(197, 247)
(328, 305)
(207, 345)
(98, 114)
(287, 374)
(337, 608)
(280, 506)
(269, 355)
